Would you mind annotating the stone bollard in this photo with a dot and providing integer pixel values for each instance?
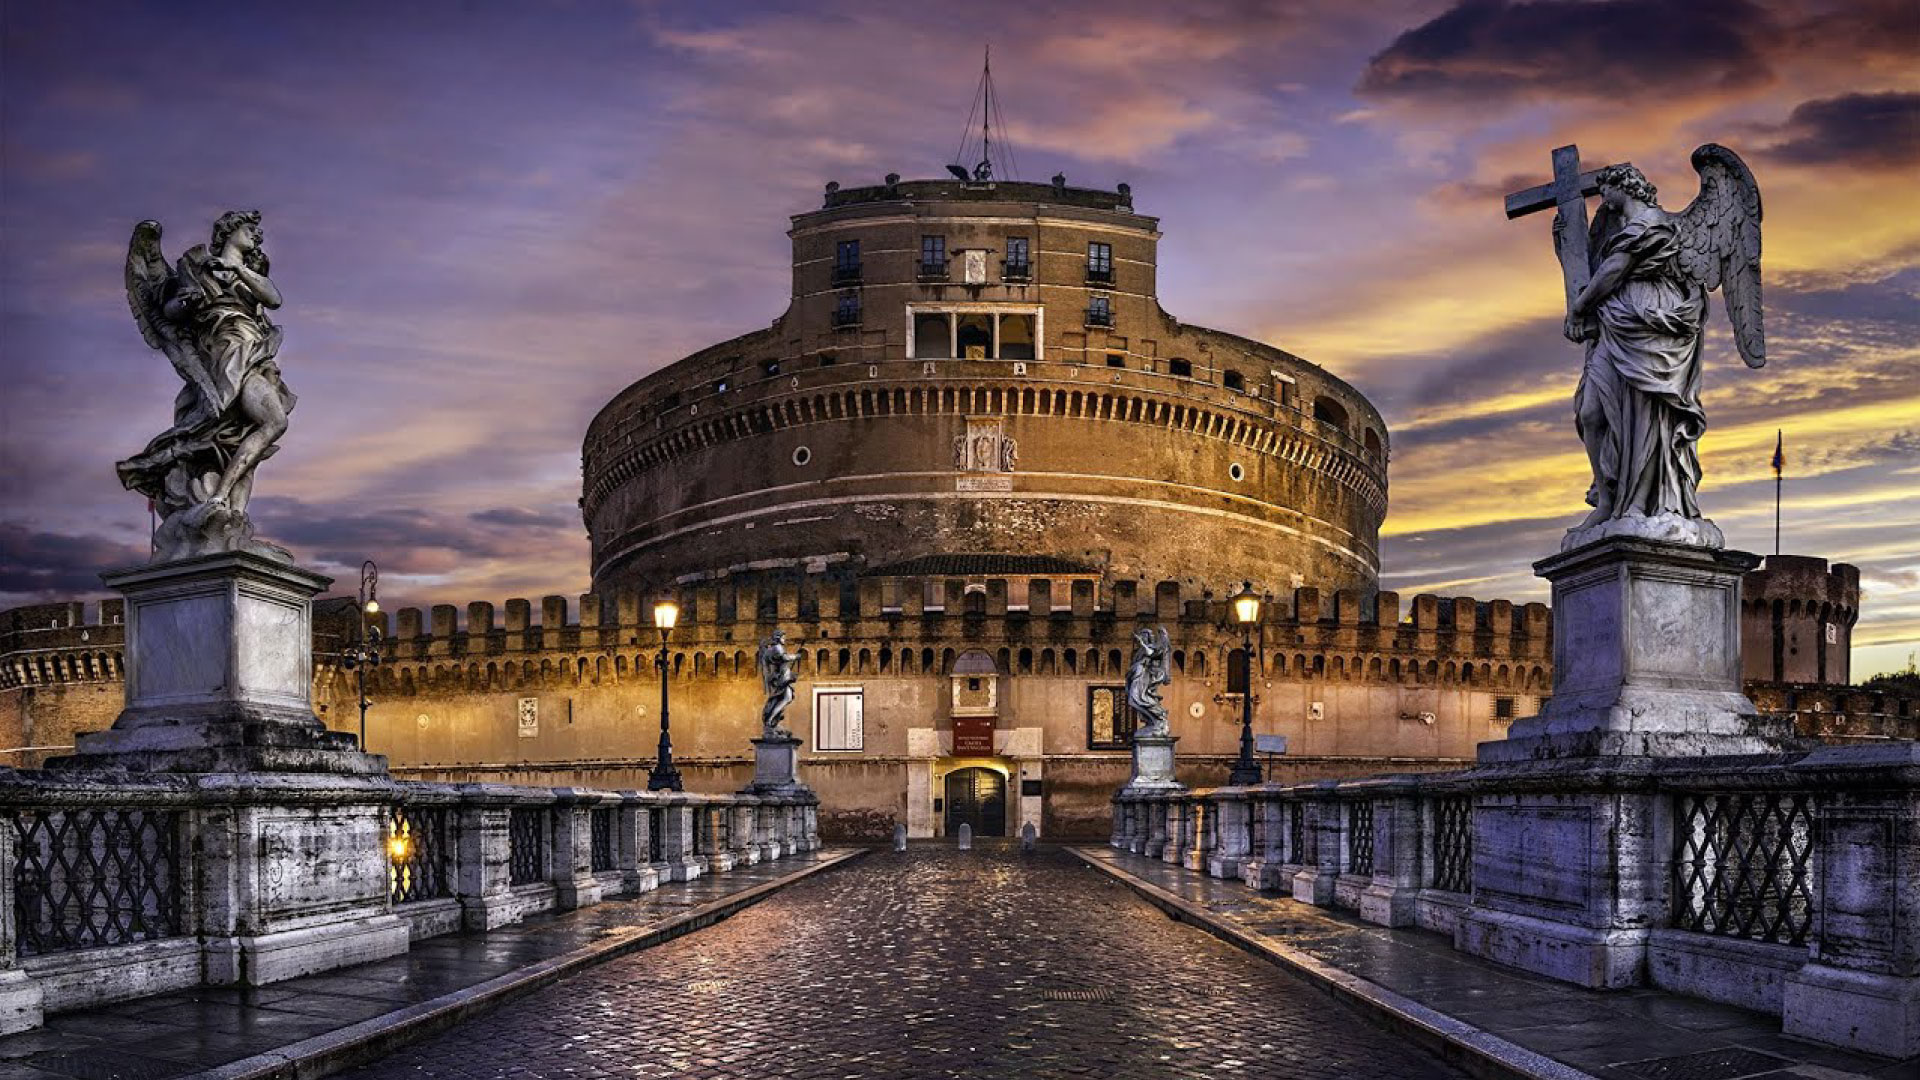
(1028, 837)
(966, 837)
(899, 838)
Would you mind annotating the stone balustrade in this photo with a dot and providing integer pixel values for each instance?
(1788, 883)
(124, 885)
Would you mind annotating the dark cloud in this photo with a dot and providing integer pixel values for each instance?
(1490, 50)
(405, 540)
(1879, 131)
(57, 565)
(1894, 299)
(519, 517)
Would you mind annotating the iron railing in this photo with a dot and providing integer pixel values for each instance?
(1016, 271)
(1453, 843)
(933, 271)
(418, 849)
(846, 274)
(1360, 838)
(1099, 317)
(1742, 865)
(526, 845)
(89, 878)
(600, 838)
(656, 834)
(1296, 833)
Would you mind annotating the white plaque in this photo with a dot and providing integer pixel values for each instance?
(529, 717)
(975, 266)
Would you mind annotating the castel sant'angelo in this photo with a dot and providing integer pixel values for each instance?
(972, 457)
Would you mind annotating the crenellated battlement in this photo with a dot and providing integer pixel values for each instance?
(1041, 625)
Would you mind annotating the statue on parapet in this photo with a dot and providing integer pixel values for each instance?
(776, 678)
(1637, 284)
(1146, 674)
(208, 314)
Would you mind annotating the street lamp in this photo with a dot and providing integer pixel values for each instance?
(664, 776)
(364, 652)
(1246, 612)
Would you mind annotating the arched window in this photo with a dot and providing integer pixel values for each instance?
(1233, 381)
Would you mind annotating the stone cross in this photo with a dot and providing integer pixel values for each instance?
(1568, 192)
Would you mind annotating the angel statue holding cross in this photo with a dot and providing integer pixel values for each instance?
(208, 315)
(1637, 285)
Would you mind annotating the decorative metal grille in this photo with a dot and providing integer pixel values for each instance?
(1296, 834)
(722, 829)
(1742, 865)
(1257, 828)
(1360, 838)
(526, 845)
(656, 834)
(417, 853)
(88, 878)
(1453, 843)
(600, 834)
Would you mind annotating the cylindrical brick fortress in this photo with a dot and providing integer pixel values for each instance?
(984, 369)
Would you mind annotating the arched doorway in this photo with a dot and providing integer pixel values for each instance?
(977, 797)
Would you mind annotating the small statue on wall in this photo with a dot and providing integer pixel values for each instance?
(208, 314)
(777, 677)
(1146, 674)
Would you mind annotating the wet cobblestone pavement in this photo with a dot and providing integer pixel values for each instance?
(931, 963)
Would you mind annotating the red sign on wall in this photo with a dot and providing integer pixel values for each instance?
(973, 736)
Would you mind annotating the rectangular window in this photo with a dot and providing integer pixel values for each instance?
(1503, 708)
(1181, 368)
(933, 256)
(846, 262)
(1099, 261)
(838, 720)
(1017, 268)
(1110, 719)
(1099, 310)
(846, 311)
(1115, 359)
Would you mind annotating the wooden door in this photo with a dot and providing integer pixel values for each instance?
(977, 797)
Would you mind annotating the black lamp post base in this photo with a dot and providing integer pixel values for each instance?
(1244, 774)
(667, 779)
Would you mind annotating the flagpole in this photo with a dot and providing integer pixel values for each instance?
(1779, 471)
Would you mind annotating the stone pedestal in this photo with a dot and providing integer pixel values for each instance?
(219, 674)
(776, 767)
(1646, 658)
(1153, 765)
(1571, 873)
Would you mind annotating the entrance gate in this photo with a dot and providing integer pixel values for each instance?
(977, 797)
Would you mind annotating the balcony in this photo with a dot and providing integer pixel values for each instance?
(1100, 317)
(846, 318)
(848, 274)
(1016, 271)
(933, 271)
(1099, 276)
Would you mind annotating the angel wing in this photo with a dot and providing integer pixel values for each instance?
(1163, 647)
(1719, 235)
(767, 669)
(150, 283)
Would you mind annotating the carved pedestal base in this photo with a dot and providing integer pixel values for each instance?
(219, 672)
(776, 767)
(1153, 765)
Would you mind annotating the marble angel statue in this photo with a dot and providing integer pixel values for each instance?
(776, 678)
(208, 314)
(1146, 674)
(1642, 314)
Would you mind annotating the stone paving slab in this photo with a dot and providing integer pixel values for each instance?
(1507, 1021)
(317, 1024)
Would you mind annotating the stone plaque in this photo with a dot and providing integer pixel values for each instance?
(1857, 901)
(1586, 648)
(974, 266)
(312, 862)
(1538, 854)
(529, 717)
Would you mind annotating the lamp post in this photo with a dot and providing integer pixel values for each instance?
(364, 652)
(664, 776)
(1246, 612)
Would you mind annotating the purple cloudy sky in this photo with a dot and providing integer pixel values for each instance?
(488, 217)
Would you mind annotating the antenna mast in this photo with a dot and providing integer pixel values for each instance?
(986, 105)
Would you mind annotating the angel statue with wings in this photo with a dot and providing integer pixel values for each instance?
(208, 314)
(1146, 674)
(776, 678)
(1641, 311)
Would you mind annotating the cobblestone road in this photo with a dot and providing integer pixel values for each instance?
(932, 963)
